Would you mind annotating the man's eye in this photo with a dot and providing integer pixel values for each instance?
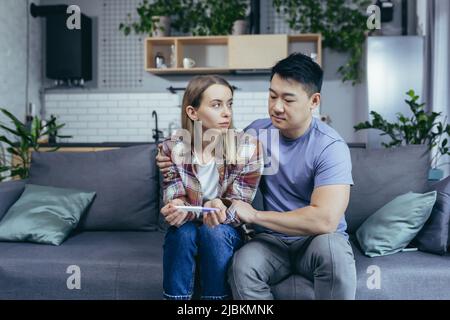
(289, 101)
(216, 105)
(272, 97)
(230, 105)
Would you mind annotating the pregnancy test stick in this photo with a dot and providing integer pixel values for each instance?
(196, 209)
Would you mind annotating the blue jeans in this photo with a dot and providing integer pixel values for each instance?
(215, 248)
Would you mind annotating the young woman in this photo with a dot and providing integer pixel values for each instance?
(211, 166)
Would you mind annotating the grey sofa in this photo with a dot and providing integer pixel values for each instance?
(118, 245)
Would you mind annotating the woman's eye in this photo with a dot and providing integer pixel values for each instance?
(289, 101)
(230, 105)
(272, 97)
(216, 105)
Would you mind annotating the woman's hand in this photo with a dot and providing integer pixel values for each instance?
(163, 162)
(214, 218)
(172, 215)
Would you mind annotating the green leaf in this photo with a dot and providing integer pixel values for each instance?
(14, 151)
(7, 141)
(411, 93)
(12, 117)
(3, 169)
(14, 132)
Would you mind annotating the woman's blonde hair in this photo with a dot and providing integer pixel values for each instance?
(193, 97)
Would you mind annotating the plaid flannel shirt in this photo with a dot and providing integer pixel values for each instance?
(236, 181)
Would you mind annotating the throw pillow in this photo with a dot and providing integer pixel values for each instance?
(44, 214)
(380, 175)
(391, 228)
(10, 192)
(433, 237)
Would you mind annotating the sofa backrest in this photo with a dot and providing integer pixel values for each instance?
(125, 181)
(380, 175)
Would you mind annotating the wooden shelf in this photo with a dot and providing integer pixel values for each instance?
(227, 54)
(188, 71)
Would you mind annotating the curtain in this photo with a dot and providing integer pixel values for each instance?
(437, 56)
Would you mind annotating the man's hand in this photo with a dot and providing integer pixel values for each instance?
(172, 215)
(214, 218)
(163, 162)
(321, 216)
(244, 211)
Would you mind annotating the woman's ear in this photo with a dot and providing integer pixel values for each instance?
(191, 113)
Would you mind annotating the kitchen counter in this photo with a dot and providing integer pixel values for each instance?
(129, 144)
(94, 144)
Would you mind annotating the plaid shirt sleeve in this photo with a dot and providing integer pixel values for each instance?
(173, 187)
(246, 180)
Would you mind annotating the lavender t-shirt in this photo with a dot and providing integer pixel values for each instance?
(319, 157)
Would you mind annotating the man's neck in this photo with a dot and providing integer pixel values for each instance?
(297, 132)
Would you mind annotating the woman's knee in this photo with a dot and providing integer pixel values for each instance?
(185, 234)
(219, 234)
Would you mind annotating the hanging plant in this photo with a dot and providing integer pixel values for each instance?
(342, 24)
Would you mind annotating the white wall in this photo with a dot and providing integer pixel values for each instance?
(121, 117)
(13, 57)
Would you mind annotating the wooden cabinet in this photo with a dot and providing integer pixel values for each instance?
(256, 52)
(226, 54)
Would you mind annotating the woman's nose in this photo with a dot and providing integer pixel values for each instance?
(227, 113)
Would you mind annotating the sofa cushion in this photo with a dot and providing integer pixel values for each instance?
(380, 175)
(392, 227)
(44, 214)
(433, 237)
(108, 265)
(404, 275)
(10, 192)
(125, 181)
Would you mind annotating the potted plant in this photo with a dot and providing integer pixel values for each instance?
(342, 24)
(240, 23)
(26, 139)
(52, 130)
(422, 128)
(154, 18)
(211, 17)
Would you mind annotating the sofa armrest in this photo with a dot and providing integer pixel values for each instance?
(10, 192)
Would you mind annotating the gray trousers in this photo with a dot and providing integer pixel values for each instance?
(327, 260)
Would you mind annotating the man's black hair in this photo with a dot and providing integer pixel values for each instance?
(302, 69)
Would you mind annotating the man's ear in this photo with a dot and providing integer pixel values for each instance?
(315, 101)
(191, 113)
